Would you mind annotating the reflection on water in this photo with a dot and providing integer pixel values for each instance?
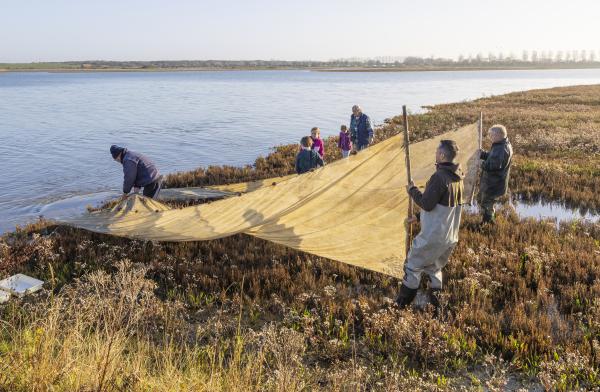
(543, 210)
(552, 210)
(69, 207)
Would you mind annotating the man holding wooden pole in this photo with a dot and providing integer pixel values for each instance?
(495, 172)
(441, 209)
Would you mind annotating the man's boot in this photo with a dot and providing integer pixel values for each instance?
(488, 218)
(488, 212)
(405, 296)
(434, 299)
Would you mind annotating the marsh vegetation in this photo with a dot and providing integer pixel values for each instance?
(521, 308)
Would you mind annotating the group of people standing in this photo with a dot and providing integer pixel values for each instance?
(358, 137)
(440, 203)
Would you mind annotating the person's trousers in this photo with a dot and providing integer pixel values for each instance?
(360, 147)
(428, 259)
(345, 153)
(486, 205)
(152, 190)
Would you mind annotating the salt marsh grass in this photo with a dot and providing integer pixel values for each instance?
(521, 308)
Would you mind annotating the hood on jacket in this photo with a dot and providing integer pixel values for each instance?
(453, 169)
(503, 141)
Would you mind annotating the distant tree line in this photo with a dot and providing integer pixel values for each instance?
(491, 58)
(178, 64)
(534, 58)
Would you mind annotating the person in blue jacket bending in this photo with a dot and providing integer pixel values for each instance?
(138, 172)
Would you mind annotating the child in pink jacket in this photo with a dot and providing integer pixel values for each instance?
(315, 133)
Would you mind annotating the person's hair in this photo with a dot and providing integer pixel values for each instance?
(499, 129)
(356, 108)
(343, 128)
(316, 130)
(450, 149)
(306, 141)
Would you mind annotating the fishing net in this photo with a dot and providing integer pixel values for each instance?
(352, 210)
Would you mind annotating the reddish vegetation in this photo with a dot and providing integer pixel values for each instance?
(521, 305)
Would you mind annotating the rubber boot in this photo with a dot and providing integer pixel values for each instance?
(488, 218)
(434, 300)
(405, 296)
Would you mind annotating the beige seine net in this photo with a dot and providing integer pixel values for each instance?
(353, 210)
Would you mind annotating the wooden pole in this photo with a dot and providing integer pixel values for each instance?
(480, 129)
(476, 180)
(408, 177)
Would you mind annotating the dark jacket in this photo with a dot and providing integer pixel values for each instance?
(361, 129)
(495, 169)
(139, 171)
(307, 160)
(445, 187)
(353, 122)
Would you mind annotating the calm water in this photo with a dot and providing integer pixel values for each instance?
(56, 128)
(557, 212)
(554, 211)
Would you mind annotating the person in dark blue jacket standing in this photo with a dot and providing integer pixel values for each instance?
(307, 159)
(361, 128)
(138, 170)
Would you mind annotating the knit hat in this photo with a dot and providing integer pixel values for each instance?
(115, 151)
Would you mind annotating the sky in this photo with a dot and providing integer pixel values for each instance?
(62, 30)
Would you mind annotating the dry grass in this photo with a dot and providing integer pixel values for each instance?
(521, 307)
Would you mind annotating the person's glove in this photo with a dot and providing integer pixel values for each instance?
(412, 219)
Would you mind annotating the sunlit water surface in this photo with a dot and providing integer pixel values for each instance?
(56, 128)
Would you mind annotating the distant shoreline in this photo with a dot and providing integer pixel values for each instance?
(438, 69)
(313, 69)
